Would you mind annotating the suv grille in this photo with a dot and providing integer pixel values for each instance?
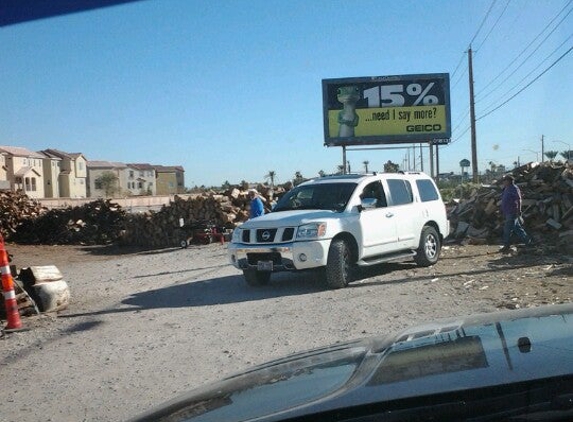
(268, 235)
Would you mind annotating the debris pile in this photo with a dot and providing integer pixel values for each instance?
(547, 207)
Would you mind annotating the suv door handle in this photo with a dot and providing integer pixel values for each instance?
(389, 214)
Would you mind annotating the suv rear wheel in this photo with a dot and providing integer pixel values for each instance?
(429, 250)
(339, 265)
(256, 278)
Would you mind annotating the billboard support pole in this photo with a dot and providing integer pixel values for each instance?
(432, 175)
(343, 159)
(437, 163)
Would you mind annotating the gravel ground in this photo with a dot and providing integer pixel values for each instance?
(143, 327)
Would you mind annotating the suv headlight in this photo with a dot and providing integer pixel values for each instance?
(311, 231)
(237, 236)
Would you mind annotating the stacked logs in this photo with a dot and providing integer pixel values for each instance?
(103, 222)
(547, 206)
(96, 223)
(166, 227)
(15, 209)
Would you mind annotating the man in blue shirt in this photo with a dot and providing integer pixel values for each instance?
(511, 209)
(257, 208)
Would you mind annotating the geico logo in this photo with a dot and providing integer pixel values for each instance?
(424, 128)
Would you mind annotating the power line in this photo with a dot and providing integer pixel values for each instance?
(483, 21)
(536, 67)
(494, 25)
(487, 94)
(526, 86)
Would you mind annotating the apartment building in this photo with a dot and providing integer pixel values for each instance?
(4, 183)
(65, 174)
(141, 179)
(24, 170)
(106, 179)
(170, 180)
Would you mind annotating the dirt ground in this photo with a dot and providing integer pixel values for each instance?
(145, 326)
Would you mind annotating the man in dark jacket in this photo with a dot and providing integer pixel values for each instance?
(511, 209)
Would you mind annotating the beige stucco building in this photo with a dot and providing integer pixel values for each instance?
(24, 170)
(141, 179)
(65, 174)
(170, 180)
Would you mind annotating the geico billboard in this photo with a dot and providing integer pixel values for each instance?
(387, 109)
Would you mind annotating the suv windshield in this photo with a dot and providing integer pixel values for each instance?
(323, 196)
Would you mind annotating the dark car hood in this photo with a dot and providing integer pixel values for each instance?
(445, 356)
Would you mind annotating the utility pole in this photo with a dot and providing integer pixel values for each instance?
(542, 149)
(473, 118)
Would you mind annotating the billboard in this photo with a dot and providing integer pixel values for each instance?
(387, 109)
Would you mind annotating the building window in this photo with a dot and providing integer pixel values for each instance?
(81, 165)
(131, 174)
(27, 184)
(141, 173)
(33, 184)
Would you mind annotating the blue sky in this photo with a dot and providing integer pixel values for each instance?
(232, 89)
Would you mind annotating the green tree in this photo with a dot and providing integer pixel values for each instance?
(321, 173)
(108, 182)
(567, 155)
(340, 169)
(551, 155)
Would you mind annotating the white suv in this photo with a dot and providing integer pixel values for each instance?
(337, 222)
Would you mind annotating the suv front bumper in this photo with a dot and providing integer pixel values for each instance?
(285, 257)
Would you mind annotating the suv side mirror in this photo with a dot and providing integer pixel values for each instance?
(368, 203)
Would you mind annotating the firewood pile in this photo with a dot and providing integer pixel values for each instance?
(168, 226)
(96, 223)
(16, 208)
(103, 222)
(547, 207)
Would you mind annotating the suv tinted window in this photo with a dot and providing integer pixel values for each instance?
(327, 196)
(400, 191)
(427, 190)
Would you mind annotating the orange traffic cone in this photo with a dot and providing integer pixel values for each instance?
(12, 313)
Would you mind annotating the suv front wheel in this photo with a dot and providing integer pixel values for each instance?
(429, 250)
(339, 265)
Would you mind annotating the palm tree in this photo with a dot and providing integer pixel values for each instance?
(567, 155)
(271, 176)
(365, 165)
(551, 155)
